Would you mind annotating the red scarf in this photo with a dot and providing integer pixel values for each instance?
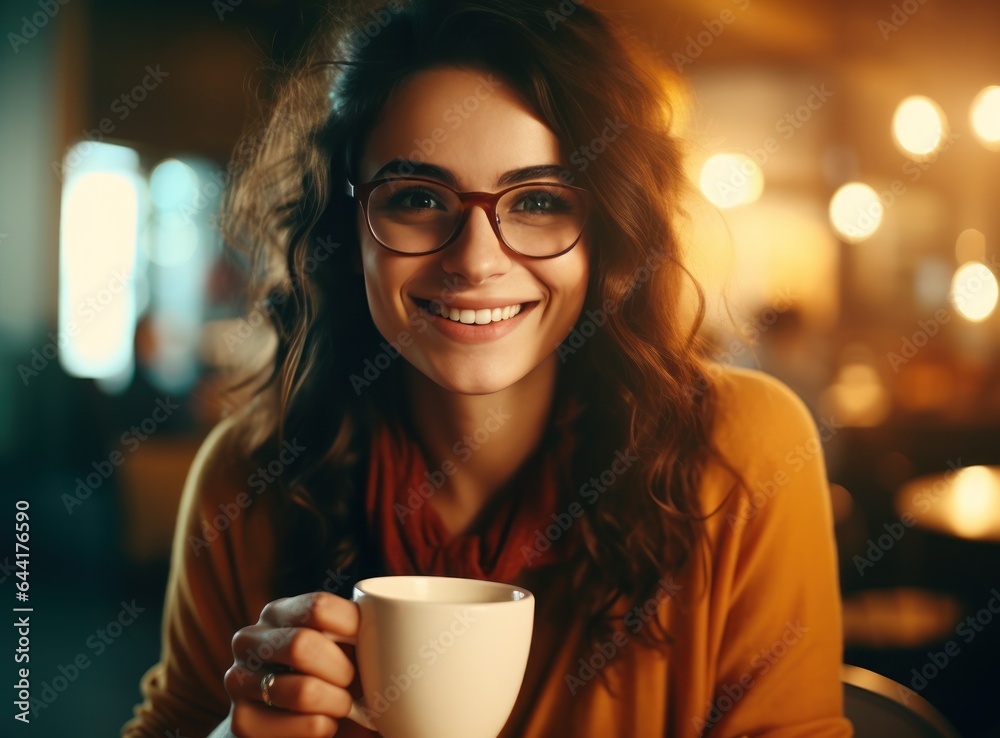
(517, 534)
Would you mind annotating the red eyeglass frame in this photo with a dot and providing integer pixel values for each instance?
(486, 200)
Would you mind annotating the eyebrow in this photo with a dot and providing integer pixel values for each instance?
(527, 174)
(407, 167)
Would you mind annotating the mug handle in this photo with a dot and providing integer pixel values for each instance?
(358, 713)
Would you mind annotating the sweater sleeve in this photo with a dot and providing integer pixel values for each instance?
(217, 584)
(775, 587)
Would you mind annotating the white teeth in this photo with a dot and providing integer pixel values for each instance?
(479, 317)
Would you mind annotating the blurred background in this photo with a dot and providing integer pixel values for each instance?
(849, 158)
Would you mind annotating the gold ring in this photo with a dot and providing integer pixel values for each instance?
(266, 682)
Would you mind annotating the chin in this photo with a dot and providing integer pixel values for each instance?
(473, 385)
(472, 380)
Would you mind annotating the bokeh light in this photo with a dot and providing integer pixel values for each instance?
(855, 211)
(985, 117)
(99, 225)
(728, 180)
(919, 126)
(172, 185)
(974, 291)
(857, 394)
(972, 509)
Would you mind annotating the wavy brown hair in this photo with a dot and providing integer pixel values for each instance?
(646, 390)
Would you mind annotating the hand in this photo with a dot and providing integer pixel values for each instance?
(294, 639)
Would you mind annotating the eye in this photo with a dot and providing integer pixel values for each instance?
(541, 202)
(415, 198)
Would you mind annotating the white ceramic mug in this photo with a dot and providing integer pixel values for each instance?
(440, 657)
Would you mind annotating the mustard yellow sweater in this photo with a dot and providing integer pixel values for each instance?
(755, 618)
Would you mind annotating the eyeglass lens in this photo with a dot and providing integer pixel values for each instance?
(418, 216)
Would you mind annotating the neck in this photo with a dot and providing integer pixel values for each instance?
(478, 441)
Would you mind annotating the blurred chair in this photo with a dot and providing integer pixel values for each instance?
(152, 481)
(880, 707)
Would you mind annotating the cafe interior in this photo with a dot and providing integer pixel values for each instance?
(844, 157)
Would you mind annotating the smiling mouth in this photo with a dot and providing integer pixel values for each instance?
(468, 316)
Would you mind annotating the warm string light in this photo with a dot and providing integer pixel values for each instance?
(974, 291)
(919, 127)
(973, 507)
(729, 180)
(855, 211)
(985, 117)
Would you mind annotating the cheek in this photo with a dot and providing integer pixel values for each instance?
(378, 283)
(385, 278)
(568, 280)
(577, 278)
(369, 257)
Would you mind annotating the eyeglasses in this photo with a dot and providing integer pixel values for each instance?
(415, 215)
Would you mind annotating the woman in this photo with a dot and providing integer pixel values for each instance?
(466, 227)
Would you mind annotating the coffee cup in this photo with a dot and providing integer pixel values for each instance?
(440, 657)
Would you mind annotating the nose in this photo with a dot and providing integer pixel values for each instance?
(476, 254)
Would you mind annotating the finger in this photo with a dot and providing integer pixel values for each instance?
(306, 694)
(288, 691)
(317, 610)
(300, 649)
(243, 684)
(251, 719)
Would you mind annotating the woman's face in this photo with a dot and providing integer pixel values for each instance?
(469, 129)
